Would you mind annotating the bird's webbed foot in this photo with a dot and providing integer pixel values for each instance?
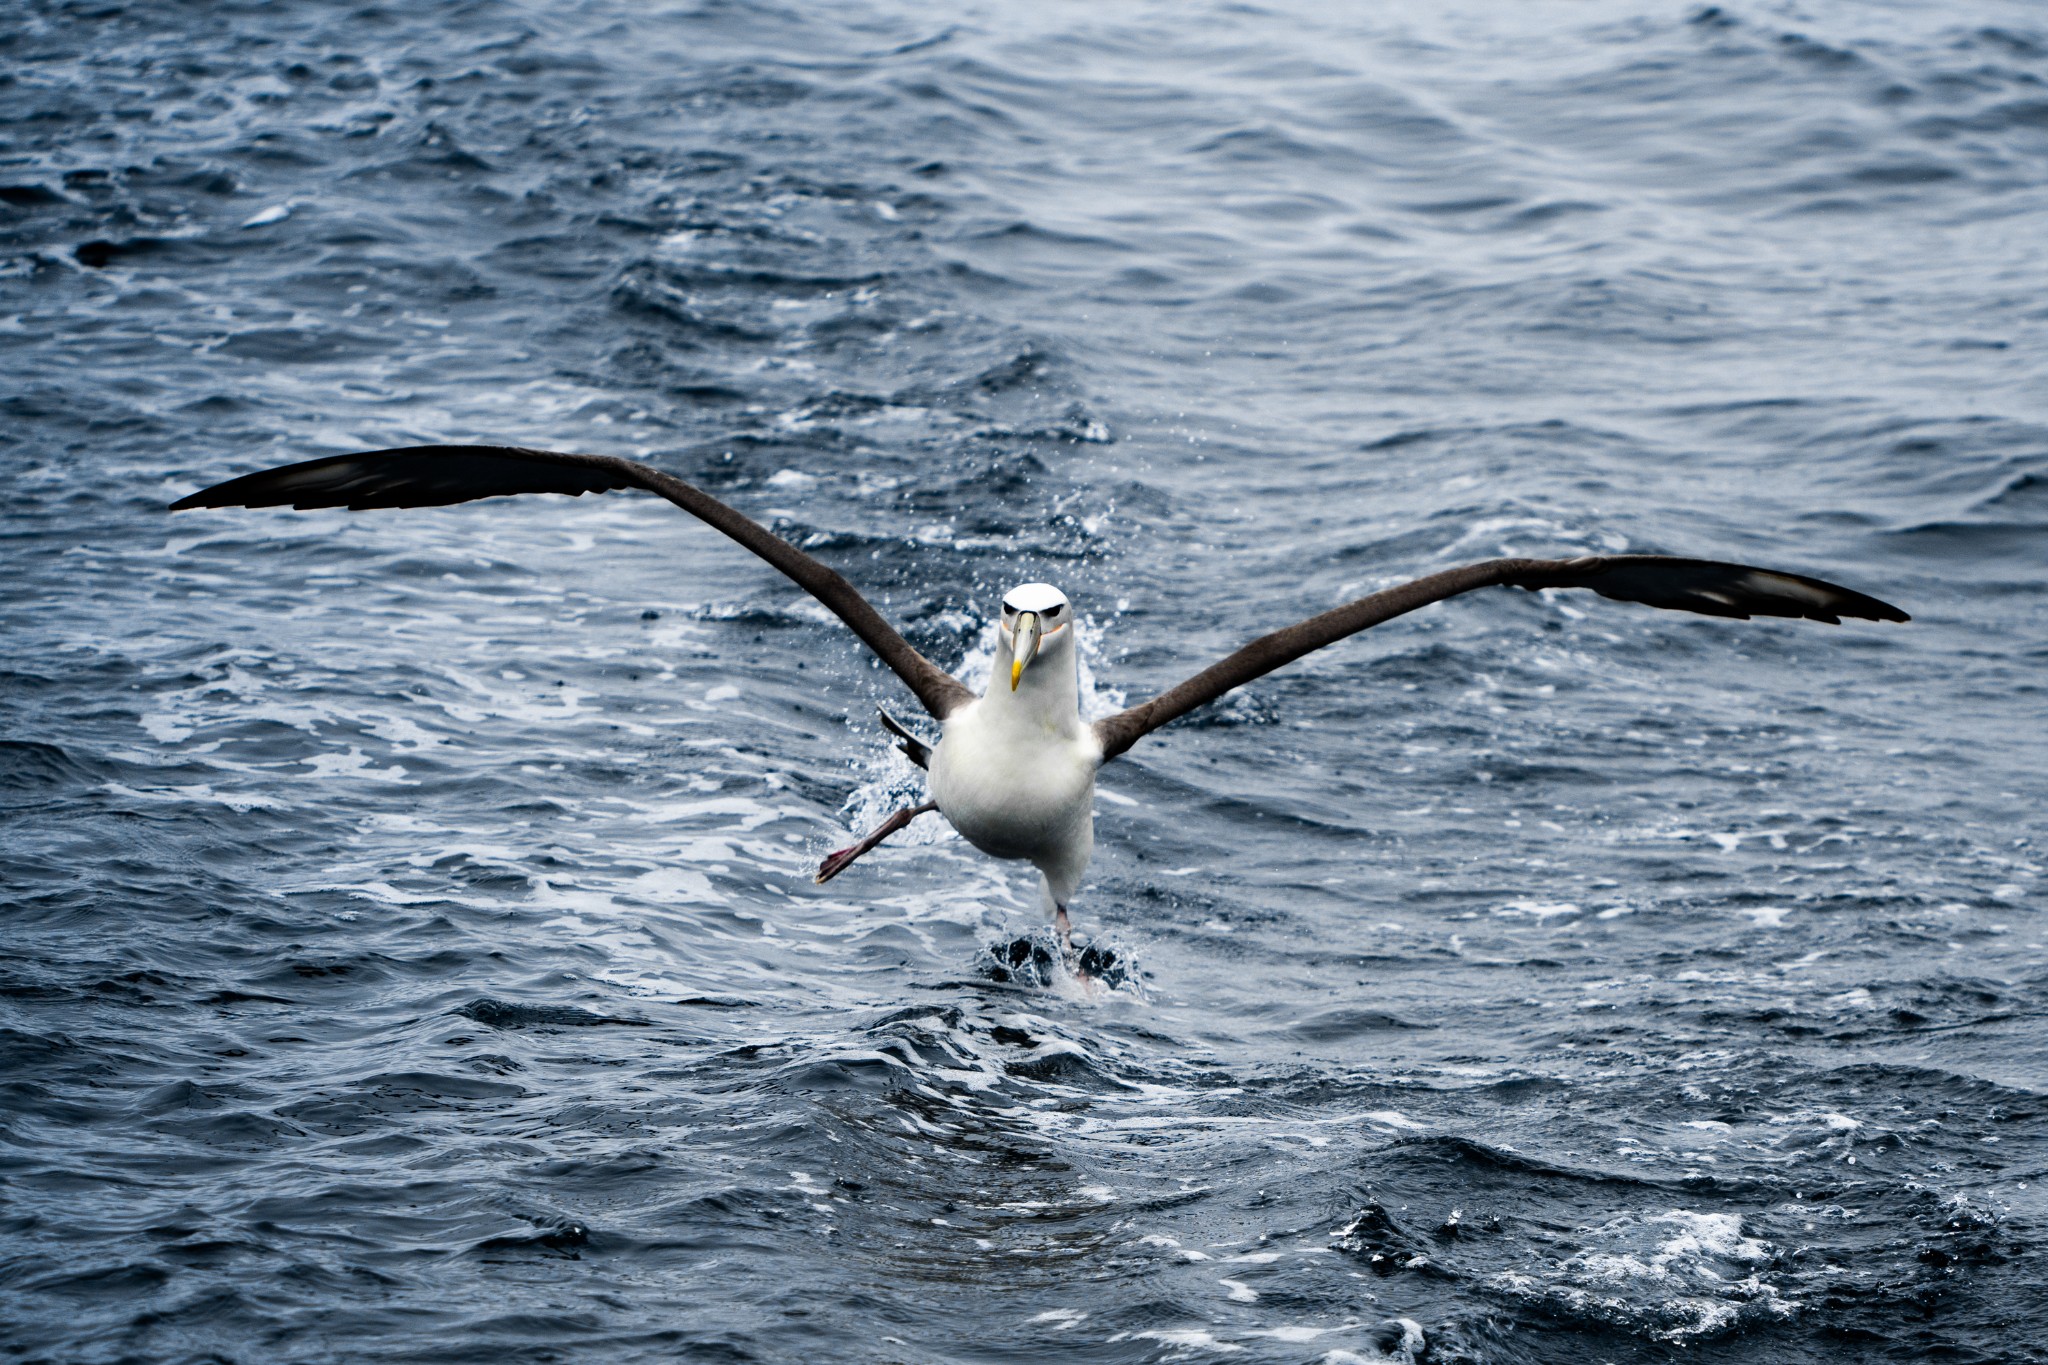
(839, 860)
(1096, 966)
(836, 862)
(1081, 963)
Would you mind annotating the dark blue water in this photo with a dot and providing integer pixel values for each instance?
(409, 949)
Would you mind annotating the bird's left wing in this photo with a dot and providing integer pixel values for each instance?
(1701, 585)
(435, 476)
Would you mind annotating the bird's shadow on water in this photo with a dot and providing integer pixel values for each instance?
(1037, 960)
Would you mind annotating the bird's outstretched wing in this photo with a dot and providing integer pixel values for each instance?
(434, 476)
(1700, 585)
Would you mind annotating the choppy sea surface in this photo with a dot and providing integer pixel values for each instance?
(409, 944)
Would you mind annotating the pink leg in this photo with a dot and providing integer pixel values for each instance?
(1064, 927)
(839, 861)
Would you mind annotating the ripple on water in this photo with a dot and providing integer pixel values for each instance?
(411, 939)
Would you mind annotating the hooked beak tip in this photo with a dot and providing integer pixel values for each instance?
(1016, 672)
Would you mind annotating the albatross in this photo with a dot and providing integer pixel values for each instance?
(1014, 769)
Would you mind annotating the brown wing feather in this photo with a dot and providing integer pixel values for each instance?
(415, 476)
(1699, 585)
(435, 476)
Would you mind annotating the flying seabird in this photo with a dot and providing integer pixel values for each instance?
(1014, 769)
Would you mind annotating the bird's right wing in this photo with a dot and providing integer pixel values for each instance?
(1702, 585)
(435, 476)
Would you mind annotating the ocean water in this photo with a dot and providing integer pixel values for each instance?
(409, 945)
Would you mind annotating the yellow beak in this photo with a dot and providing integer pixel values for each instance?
(1024, 638)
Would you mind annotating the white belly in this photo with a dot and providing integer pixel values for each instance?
(1017, 791)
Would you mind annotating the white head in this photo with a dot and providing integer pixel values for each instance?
(1037, 620)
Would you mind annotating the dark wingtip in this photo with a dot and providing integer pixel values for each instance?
(413, 476)
(208, 497)
(1736, 591)
(1841, 602)
(1861, 607)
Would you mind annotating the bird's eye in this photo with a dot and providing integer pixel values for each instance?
(1051, 612)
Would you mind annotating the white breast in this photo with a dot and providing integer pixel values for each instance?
(1012, 787)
